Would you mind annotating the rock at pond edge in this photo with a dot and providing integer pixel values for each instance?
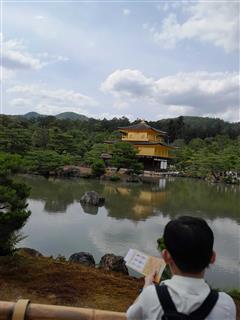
(83, 258)
(112, 262)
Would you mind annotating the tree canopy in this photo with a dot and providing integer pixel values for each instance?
(47, 143)
(13, 206)
(211, 156)
(124, 156)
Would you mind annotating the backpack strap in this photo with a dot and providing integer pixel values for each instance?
(206, 307)
(170, 311)
(165, 299)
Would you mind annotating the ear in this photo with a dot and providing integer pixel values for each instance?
(166, 256)
(213, 258)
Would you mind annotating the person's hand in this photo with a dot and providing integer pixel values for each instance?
(150, 278)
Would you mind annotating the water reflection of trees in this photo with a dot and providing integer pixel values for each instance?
(138, 202)
(180, 197)
(195, 197)
(58, 194)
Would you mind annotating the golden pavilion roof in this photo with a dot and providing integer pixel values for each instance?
(141, 126)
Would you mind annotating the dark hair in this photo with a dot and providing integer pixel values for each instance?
(189, 240)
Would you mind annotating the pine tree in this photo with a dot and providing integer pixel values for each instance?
(13, 206)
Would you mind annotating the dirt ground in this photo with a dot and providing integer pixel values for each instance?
(44, 280)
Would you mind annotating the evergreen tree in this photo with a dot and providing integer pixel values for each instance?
(13, 206)
(124, 155)
(98, 167)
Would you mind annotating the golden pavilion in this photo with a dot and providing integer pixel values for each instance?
(150, 143)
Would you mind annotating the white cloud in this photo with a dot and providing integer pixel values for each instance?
(197, 93)
(171, 5)
(49, 101)
(20, 102)
(16, 57)
(126, 12)
(51, 58)
(92, 44)
(213, 22)
(6, 74)
(173, 111)
(129, 83)
(39, 17)
(109, 115)
(229, 114)
(145, 26)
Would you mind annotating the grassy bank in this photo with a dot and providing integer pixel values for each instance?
(44, 280)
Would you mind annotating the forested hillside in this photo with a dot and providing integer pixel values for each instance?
(188, 128)
(46, 142)
(185, 128)
(63, 115)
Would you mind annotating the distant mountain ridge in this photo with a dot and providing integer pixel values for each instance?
(61, 116)
(190, 120)
(183, 128)
(195, 121)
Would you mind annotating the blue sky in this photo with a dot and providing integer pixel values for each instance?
(147, 60)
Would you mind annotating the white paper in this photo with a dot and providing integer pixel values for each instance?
(129, 255)
(144, 263)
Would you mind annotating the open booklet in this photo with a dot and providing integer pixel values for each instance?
(144, 263)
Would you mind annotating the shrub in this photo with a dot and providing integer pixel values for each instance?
(98, 167)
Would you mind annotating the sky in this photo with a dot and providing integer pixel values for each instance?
(105, 59)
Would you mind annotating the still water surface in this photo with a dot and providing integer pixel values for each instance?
(134, 216)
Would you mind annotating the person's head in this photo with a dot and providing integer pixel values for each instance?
(189, 244)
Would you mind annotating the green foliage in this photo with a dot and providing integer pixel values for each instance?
(10, 163)
(98, 167)
(40, 138)
(44, 162)
(179, 143)
(95, 153)
(61, 142)
(188, 128)
(15, 140)
(114, 178)
(124, 155)
(206, 146)
(13, 212)
(60, 258)
(209, 157)
(234, 293)
(167, 272)
(161, 244)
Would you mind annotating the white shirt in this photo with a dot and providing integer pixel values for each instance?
(187, 294)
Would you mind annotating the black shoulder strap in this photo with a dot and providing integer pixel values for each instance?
(206, 307)
(165, 299)
(171, 312)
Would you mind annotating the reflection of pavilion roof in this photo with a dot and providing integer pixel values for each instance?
(141, 126)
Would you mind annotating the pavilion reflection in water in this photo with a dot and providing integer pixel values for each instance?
(135, 203)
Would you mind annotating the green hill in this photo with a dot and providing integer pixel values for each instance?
(71, 116)
(32, 115)
(60, 116)
(188, 127)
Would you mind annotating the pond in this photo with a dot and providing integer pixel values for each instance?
(133, 216)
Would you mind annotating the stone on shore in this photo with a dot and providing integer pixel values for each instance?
(112, 262)
(83, 258)
(92, 198)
